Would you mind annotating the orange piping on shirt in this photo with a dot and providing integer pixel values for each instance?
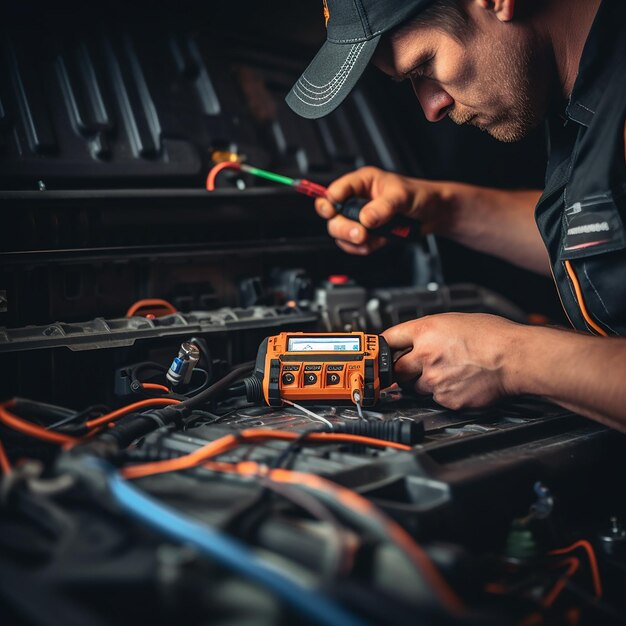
(581, 301)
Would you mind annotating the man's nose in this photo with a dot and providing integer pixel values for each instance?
(435, 101)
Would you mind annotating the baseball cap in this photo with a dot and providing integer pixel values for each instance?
(353, 28)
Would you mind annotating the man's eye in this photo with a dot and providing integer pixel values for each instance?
(423, 70)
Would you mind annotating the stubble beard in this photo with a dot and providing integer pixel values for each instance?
(513, 68)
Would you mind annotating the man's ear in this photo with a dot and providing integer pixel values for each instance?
(502, 9)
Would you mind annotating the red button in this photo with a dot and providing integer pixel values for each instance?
(338, 279)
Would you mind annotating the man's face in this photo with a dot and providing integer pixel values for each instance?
(492, 79)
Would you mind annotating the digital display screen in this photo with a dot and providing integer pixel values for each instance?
(324, 344)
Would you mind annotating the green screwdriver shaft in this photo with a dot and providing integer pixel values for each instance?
(277, 178)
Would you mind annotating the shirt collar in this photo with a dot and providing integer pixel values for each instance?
(593, 70)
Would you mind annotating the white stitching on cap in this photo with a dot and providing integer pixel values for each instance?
(318, 89)
(329, 96)
(347, 63)
(333, 91)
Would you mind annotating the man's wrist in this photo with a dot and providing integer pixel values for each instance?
(520, 358)
(535, 354)
(456, 215)
(441, 206)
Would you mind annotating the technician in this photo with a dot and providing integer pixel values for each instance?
(503, 66)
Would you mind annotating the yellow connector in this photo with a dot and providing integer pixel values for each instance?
(222, 156)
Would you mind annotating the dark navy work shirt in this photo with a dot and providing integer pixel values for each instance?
(582, 212)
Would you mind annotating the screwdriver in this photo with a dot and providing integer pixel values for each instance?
(398, 227)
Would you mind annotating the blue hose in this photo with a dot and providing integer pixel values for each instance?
(229, 553)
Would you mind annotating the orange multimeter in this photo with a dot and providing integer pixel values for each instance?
(322, 367)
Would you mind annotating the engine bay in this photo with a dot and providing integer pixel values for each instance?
(133, 493)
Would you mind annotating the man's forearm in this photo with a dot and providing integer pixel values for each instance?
(496, 222)
(583, 373)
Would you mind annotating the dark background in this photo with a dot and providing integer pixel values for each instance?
(277, 39)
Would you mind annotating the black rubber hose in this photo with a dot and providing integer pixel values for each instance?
(398, 430)
(135, 425)
(131, 427)
(217, 387)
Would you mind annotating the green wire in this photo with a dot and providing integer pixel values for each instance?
(277, 178)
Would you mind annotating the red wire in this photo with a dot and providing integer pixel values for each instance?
(150, 302)
(155, 387)
(583, 543)
(28, 428)
(113, 415)
(5, 464)
(214, 171)
(573, 564)
(33, 430)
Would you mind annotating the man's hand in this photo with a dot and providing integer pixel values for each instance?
(390, 194)
(471, 360)
(493, 221)
(459, 358)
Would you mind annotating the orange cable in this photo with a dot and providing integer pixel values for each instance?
(5, 464)
(28, 428)
(581, 301)
(215, 448)
(261, 434)
(113, 415)
(214, 171)
(573, 565)
(595, 572)
(250, 435)
(153, 302)
(155, 386)
(353, 500)
(348, 497)
(534, 619)
(572, 616)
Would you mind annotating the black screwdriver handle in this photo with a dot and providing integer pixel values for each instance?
(398, 227)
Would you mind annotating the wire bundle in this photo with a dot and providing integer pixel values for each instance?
(317, 496)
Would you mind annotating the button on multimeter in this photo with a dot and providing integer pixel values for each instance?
(310, 378)
(288, 378)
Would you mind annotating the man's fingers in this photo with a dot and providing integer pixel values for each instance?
(358, 183)
(352, 249)
(373, 214)
(407, 371)
(324, 208)
(388, 195)
(352, 237)
(406, 368)
(423, 387)
(379, 211)
(342, 228)
(363, 250)
(401, 336)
